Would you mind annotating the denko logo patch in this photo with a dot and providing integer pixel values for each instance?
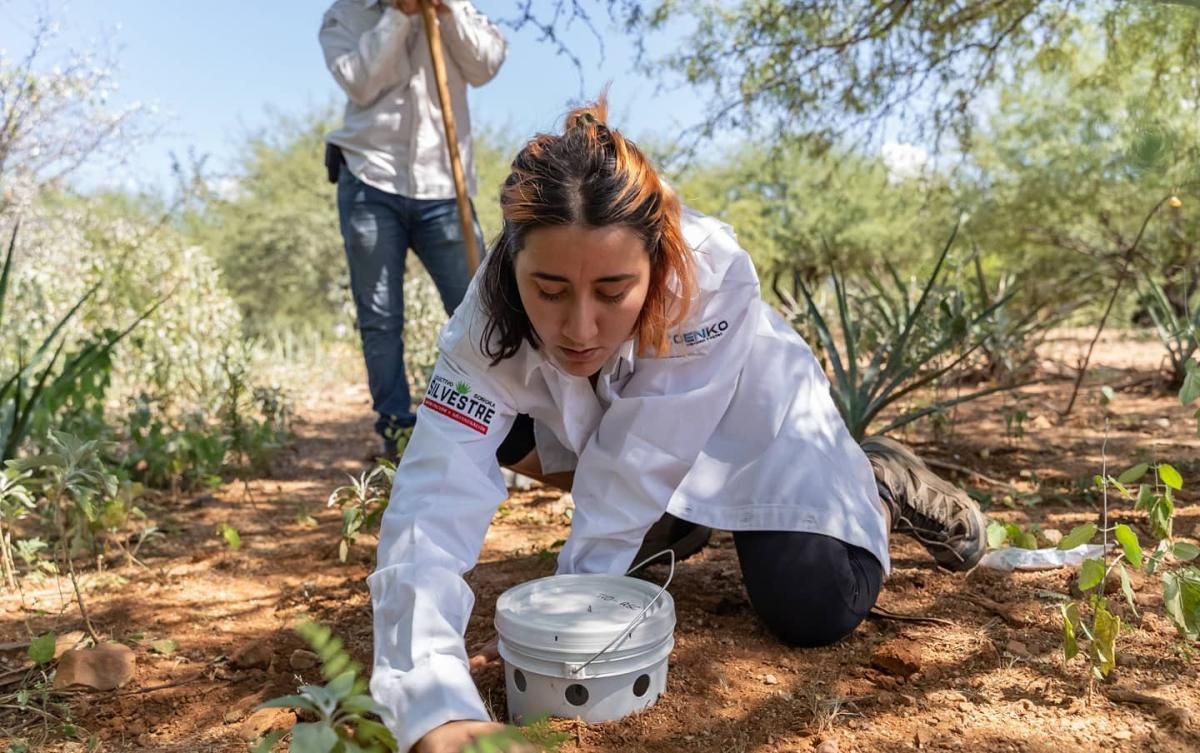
(456, 401)
(702, 335)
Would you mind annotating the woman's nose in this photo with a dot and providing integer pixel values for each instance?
(580, 327)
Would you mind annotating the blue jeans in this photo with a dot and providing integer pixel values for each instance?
(378, 228)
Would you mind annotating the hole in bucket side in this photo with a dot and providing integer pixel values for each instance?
(641, 685)
(519, 680)
(577, 695)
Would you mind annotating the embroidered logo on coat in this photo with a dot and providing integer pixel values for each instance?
(702, 335)
(456, 401)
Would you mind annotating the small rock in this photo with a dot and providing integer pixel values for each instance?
(104, 667)
(900, 657)
(302, 659)
(828, 746)
(265, 720)
(770, 680)
(1053, 536)
(256, 654)
(1123, 734)
(923, 736)
(1152, 623)
(887, 682)
(1041, 422)
(1016, 648)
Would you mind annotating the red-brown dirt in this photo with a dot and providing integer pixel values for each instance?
(983, 683)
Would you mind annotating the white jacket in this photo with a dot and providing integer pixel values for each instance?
(733, 428)
(393, 137)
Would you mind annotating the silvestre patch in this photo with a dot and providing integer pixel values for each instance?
(456, 401)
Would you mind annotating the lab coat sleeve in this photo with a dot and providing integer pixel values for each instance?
(445, 492)
(364, 65)
(475, 43)
(650, 437)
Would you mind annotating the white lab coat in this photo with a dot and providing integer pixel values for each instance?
(733, 428)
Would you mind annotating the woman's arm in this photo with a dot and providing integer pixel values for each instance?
(445, 492)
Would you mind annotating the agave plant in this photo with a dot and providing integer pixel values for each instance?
(913, 339)
(1177, 331)
(1012, 334)
(40, 383)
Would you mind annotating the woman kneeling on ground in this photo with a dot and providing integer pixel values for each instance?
(616, 344)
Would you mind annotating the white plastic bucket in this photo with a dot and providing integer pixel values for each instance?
(587, 646)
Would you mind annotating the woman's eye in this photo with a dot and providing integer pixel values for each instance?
(615, 298)
(548, 296)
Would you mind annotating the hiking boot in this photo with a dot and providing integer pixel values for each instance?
(925, 506)
(684, 538)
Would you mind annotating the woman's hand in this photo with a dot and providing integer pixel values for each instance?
(489, 654)
(453, 737)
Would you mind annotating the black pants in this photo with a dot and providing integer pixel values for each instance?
(808, 589)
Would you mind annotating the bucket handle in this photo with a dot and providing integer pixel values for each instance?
(575, 669)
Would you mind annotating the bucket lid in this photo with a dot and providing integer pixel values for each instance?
(582, 613)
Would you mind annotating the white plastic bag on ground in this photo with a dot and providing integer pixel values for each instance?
(1014, 558)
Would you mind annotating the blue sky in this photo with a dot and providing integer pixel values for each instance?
(216, 69)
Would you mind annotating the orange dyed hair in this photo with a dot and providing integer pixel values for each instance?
(589, 175)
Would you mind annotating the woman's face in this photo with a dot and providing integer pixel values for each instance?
(583, 289)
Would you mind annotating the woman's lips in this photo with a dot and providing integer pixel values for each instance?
(578, 356)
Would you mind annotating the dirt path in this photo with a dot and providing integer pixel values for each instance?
(984, 684)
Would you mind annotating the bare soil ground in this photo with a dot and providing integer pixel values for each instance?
(992, 680)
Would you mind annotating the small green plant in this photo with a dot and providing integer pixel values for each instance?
(362, 502)
(232, 538)
(348, 720)
(169, 453)
(78, 487)
(1181, 587)
(551, 551)
(1010, 534)
(16, 502)
(254, 418)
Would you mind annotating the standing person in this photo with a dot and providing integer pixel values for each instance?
(395, 185)
(617, 343)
